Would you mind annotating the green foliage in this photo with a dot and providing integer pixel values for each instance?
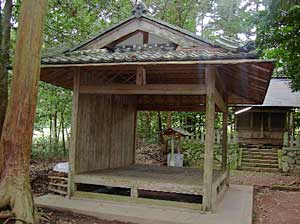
(278, 36)
(183, 13)
(69, 22)
(41, 149)
(233, 17)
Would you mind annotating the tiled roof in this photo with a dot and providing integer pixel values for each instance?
(142, 54)
(280, 94)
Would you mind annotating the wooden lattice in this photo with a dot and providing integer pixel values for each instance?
(108, 78)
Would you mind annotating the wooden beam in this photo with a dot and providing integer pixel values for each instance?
(291, 127)
(137, 201)
(220, 82)
(261, 68)
(72, 153)
(210, 76)
(150, 89)
(145, 37)
(141, 76)
(183, 108)
(220, 101)
(121, 39)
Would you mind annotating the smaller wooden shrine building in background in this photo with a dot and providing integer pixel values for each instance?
(271, 122)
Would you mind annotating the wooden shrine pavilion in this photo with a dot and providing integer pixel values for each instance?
(144, 63)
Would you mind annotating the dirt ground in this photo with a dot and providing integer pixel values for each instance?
(276, 207)
(58, 217)
(270, 206)
(262, 178)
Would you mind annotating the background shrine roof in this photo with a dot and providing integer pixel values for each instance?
(173, 130)
(280, 94)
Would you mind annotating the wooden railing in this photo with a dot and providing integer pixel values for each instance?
(200, 137)
(292, 140)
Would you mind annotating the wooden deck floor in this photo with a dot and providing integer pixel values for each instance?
(152, 178)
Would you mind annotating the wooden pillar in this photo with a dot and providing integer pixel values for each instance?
(269, 122)
(251, 114)
(172, 156)
(262, 125)
(291, 128)
(225, 145)
(224, 140)
(72, 153)
(210, 138)
(134, 192)
(141, 76)
(179, 144)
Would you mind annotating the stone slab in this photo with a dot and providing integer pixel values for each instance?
(235, 208)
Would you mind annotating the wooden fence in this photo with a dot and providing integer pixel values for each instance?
(200, 137)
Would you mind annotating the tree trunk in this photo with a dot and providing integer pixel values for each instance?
(4, 58)
(55, 131)
(50, 132)
(63, 133)
(169, 124)
(148, 125)
(16, 139)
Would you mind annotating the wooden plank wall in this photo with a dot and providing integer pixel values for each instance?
(106, 132)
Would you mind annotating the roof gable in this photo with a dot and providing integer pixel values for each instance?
(145, 24)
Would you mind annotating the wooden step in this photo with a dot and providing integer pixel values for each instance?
(260, 150)
(58, 185)
(262, 165)
(247, 153)
(264, 161)
(61, 192)
(260, 169)
(260, 157)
